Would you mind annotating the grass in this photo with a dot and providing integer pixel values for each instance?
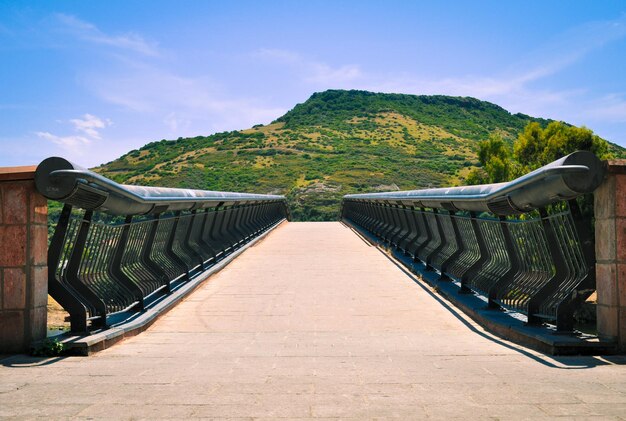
(336, 143)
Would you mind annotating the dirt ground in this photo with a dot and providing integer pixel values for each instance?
(56, 315)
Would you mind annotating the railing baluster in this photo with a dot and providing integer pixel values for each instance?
(72, 273)
(115, 266)
(63, 295)
(560, 267)
(587, 285)
(460, 248)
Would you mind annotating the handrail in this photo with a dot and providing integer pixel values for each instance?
(541, 265)
(103, 271)
(575, 174)
(59, 179)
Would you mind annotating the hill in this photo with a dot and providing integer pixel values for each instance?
(335, 143)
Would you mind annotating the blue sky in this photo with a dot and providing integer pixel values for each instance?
(92, 80)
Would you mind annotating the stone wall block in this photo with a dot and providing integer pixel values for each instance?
(620, 233)
(14, 289)
(12, 331)
(39, 282)
(620, 200)
(605, 240)
(610, 212)
(604, 199)
(607, 319)
(12, 245)
(39, 245)
(38, 322)
(606, 284)
(23, 259)
(15, 203)
(621, 275)
(39, 208)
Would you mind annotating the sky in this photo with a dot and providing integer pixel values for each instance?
(90, 81)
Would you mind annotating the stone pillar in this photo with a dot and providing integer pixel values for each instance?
(23, 260)
(610, 214)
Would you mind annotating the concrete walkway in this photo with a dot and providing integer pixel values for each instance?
(313, 323)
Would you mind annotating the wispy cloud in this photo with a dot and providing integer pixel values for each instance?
(66, 142)
(87, 127)
(185, 105)
(91, 33)
(518, 87)
(313, 71)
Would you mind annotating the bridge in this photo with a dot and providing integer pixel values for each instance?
(354, 319)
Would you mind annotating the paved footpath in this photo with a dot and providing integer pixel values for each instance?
(314, 323)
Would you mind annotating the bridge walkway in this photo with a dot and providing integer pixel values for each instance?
(313, 322)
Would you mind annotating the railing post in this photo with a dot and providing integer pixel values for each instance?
(169, 248)
(215, 230)
(73, 267)
(202, 240)
(511, 251)
(482, 247)
(587, 285)
(412, 232)
(460, 247)
(191, 252)
(442, 241)
(77, 311)
(115, 266)
(421, 215)
(146, 259)
(560, 267)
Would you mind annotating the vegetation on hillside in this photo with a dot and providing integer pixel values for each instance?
(535, 147)
(336, 143)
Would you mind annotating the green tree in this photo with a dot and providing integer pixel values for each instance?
(536, 147)
(495, 157)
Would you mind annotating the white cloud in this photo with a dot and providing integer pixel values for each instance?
(89, 125)
(73, 143)
(518, 87)
(276, 54)
(313, 71)
(185, 105)
(91, 33)
(88, 128)
(323, 74)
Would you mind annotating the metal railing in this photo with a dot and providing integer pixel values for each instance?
(102, 271)
(524, 245)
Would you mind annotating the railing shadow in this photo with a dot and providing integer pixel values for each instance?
(29, 361)
(557, 362)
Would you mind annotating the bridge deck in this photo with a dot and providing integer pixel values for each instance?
(314, 323)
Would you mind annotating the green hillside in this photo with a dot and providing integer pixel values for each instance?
(337, 142)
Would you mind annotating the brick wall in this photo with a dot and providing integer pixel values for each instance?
(23, 254)
(610, 213)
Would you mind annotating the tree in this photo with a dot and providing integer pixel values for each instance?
(495, 157)
(536, 147)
